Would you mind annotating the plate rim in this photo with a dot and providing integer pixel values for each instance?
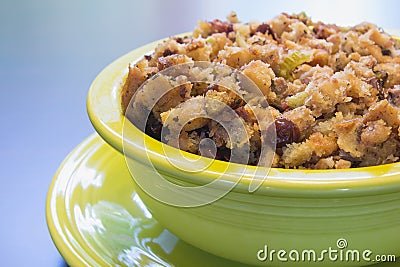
(67, 250)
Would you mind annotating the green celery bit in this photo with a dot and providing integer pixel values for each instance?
(291, 62)
(297, 100)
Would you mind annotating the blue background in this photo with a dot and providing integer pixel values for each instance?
(51, 50)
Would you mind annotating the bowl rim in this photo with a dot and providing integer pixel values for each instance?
(104, 110)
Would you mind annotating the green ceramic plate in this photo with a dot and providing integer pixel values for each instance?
(96, 218)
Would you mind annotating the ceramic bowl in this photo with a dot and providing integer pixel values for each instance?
(338, 214)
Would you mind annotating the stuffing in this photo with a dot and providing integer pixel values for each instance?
(333, 92)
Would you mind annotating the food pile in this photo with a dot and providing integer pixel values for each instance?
(333, 92)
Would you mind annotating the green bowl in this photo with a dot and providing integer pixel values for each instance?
(336, 214)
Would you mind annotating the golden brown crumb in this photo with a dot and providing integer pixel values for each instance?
(262, 75)
(322, 145)
(375, 132)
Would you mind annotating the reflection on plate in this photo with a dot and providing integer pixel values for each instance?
(96, 218)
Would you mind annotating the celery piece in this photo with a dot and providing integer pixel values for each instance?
(293, 60)
(297, 100)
